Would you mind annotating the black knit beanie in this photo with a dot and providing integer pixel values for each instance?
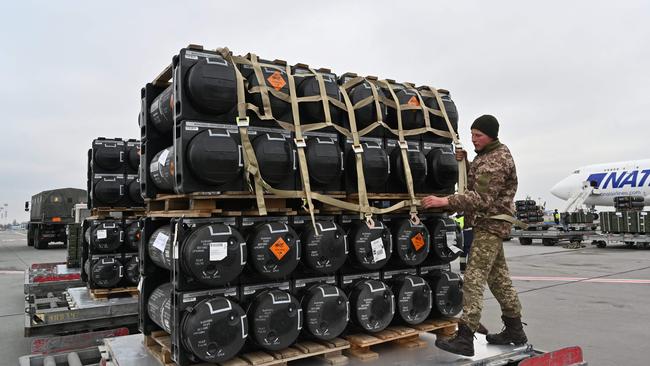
(488, 125)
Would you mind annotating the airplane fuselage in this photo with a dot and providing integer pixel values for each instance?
(628, 178)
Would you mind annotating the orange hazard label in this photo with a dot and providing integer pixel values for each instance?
(417, 241)
(276, 80)
(279, 248)
(414, 101)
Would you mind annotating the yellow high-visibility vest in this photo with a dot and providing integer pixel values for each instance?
(461, 221)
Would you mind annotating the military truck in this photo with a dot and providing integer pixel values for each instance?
(50, 212)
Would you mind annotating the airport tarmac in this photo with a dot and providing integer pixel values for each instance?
(595, 298)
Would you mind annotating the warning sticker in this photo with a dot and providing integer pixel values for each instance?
(414, 101)
(101, 234)
(417, 241)
(276, 80)
(279, 248)
(378, 251)
(218, 251)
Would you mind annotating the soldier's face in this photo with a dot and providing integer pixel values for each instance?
(480, 140)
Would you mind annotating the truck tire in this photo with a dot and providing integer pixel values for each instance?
(548, 242)
(30, 236)
(525, 241)
(38, 243)
(601, 244)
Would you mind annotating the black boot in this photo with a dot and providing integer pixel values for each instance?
(512, 333)
(482, 329)
(461, 344)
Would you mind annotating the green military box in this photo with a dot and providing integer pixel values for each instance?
(605, 218)
(74, 235)
(644, 222)
(617, 222)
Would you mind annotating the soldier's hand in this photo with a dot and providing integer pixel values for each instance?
(461, 154)
(435, 202)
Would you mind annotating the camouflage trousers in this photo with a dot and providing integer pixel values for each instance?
(487, 264)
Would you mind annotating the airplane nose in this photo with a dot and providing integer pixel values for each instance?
(560, 190)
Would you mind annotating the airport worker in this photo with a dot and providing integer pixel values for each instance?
(556, 217)
(488, 207)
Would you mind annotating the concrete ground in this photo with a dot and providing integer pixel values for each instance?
(595, 298)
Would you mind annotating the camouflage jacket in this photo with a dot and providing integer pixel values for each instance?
(491, 188)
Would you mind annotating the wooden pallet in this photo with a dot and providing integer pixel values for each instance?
(208, 204)
(107, 293)
(159, 345)
(243, 203)
(441, 327)
(328, 351)
(108, 212)
(402, 336)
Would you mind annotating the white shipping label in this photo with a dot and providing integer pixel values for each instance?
(451, 242)
(218, 251)
(101, 234)
(161, 241)
(163, 157)
(378, 252)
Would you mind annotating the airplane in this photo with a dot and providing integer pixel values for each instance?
(598, 184)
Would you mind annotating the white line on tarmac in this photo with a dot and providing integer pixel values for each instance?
(582, 279)
(11, 272)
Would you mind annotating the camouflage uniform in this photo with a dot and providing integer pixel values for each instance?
(492, 184)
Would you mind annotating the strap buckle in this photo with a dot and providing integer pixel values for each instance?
(242, 122)
(369, 221)
(357, 149)
(403, 145)
(415, 219)
(300, 143)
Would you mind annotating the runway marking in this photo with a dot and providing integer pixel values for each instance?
(581, 279)
(11, 272)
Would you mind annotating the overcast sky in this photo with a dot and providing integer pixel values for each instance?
(569, 81)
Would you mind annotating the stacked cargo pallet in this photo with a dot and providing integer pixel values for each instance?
(283, 216)
(628, 217)
(580, 217)
(528, 211)
(111, 235)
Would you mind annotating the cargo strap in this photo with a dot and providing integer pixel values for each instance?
(259, 186)
(403, 146)
(462, 165)
(300, 146)
(357, 148)
(510, 219)
(266, 114)
(264, 89)
(252, 166)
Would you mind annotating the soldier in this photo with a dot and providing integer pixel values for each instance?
(488, 207)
